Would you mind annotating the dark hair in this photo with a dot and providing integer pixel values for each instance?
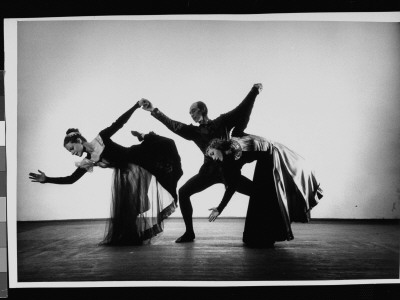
(224, 145)
(72, 136)
(203, 107)
(219, 144)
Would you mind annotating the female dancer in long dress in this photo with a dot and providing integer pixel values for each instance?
(145, 179)
(284, 187)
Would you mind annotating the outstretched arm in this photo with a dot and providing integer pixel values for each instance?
(241, 184)
(117, 125)
(181, 129)
(42, 178)
(240, 116)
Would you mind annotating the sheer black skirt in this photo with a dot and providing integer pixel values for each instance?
(139, 206)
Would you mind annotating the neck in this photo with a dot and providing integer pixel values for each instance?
(88, 147)
(204, 120)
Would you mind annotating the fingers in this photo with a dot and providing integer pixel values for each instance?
(213, 216)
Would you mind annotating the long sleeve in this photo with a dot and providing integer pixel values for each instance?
(234, 180)
(117, 125)
(183, 130)
(239, 116)
(229, 191)
(75, 176)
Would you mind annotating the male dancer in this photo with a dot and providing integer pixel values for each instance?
(210, 172)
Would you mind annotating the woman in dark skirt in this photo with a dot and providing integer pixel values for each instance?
(144, 184)
(284, 188)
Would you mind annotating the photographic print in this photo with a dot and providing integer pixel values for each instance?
(208, 150)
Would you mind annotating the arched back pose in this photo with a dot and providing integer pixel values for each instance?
(284, 187)
(210, 172)
(145, 179)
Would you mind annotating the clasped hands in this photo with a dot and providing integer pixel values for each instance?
(146, 104)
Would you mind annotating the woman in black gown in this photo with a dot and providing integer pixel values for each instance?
(145, 179)
(284, 188)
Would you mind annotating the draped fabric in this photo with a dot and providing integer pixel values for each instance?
(295, 182)
(285, 190)
(139, 206)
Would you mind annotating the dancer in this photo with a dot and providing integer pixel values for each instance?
(145, 179)
(284, 187)
(210, 172)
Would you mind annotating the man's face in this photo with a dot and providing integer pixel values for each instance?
(195, 113)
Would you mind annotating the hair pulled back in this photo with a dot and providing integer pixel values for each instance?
(72, 136)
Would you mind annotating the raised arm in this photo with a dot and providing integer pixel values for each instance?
(117, 125)
(240, 116)
(42, 178)
(181, 129)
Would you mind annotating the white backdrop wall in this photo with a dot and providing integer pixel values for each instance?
(331, 93)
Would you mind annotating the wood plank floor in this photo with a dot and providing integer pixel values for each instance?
(321, 250)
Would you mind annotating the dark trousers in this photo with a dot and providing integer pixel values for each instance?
(203, 180)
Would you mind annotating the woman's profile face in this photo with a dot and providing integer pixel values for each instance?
(215, 154)
(74, 148)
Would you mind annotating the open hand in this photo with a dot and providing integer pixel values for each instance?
(41, 177)
(214, 214)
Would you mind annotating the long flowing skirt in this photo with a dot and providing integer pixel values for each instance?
(285, 190)
(139, 206)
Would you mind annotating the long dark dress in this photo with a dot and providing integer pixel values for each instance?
(144, 185)
(284, 189)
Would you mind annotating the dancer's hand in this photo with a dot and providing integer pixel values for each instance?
(146, 104)
(258, 86)
(214, 214)
(38, 177)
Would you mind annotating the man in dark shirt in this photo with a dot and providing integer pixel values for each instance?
(210, 172)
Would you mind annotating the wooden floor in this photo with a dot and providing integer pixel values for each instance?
(321, 250)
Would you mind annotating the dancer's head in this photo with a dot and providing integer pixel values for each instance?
(217, 149)
(199, 112)
(73, 142)
(220, 149)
